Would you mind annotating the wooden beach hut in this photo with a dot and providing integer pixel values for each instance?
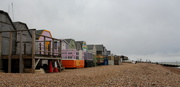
(71, 57)
(92, 49)
(81, 46)
(100, 54)
(18, 47)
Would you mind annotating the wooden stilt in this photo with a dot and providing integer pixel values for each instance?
(44, 45)
(53, 47)
(60, 48)
(40, 48)
(0, 51)
(10, 52)
(33, 50)
(20, 55)
(37, 62)
(49, 48)
(59, 65)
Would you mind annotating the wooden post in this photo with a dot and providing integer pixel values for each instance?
(24, 48)
(33, 51)
(0, 51)
(44, 45)
(40, 48)
(20, 55)
(49, 48)
(10, 52)
(53, 47)
(60, 45)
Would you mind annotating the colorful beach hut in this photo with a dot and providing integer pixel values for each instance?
(71, 57)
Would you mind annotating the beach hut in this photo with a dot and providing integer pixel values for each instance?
(111, 60)
(100, 54)
(73, 56)
(117, 60)
(40, 43)
(78, 45)
(50, 45)
(92, 49)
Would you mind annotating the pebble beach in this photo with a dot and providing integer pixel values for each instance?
(124, 75)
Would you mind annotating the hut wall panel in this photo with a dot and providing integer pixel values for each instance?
(69, 63)
(72, 58)
(110, 62)
(26, 37)
(6, 25)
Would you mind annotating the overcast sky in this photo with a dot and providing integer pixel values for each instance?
(146, 29)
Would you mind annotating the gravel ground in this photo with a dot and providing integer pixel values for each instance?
(125, 75)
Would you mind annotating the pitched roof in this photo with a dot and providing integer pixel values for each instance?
(5, 13)
(90, 47)
(99, 47)
(78, 44)
(68, 40)
(16, 24)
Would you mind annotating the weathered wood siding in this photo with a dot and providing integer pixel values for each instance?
(6, 25)
(26, 47)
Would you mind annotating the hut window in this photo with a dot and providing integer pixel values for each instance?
(77, 53)
(69, 57)
(77, 57)
(69, 52)
(64, 57)
(64, 53)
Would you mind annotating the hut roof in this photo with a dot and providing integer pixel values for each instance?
(17, 23)
(99, 47)
(5, 13)
(41, 32)
(68, 40)
(90, 47)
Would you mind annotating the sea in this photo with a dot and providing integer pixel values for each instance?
(174, 63)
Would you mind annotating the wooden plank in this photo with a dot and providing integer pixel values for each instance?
(44, 45)
(17, 30)
(37, 62)
(24, 48)
(40, 48)
(10, 52)
(60, 49)
(0, 51)
(49, 49)
(20, 55)
(29, 57)
(46, 58)
(59, 65)
(53, 47)
(33, 51)
(47, 36)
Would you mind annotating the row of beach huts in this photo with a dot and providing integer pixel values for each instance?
(29, 50)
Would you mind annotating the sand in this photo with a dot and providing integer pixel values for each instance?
(125, 75)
